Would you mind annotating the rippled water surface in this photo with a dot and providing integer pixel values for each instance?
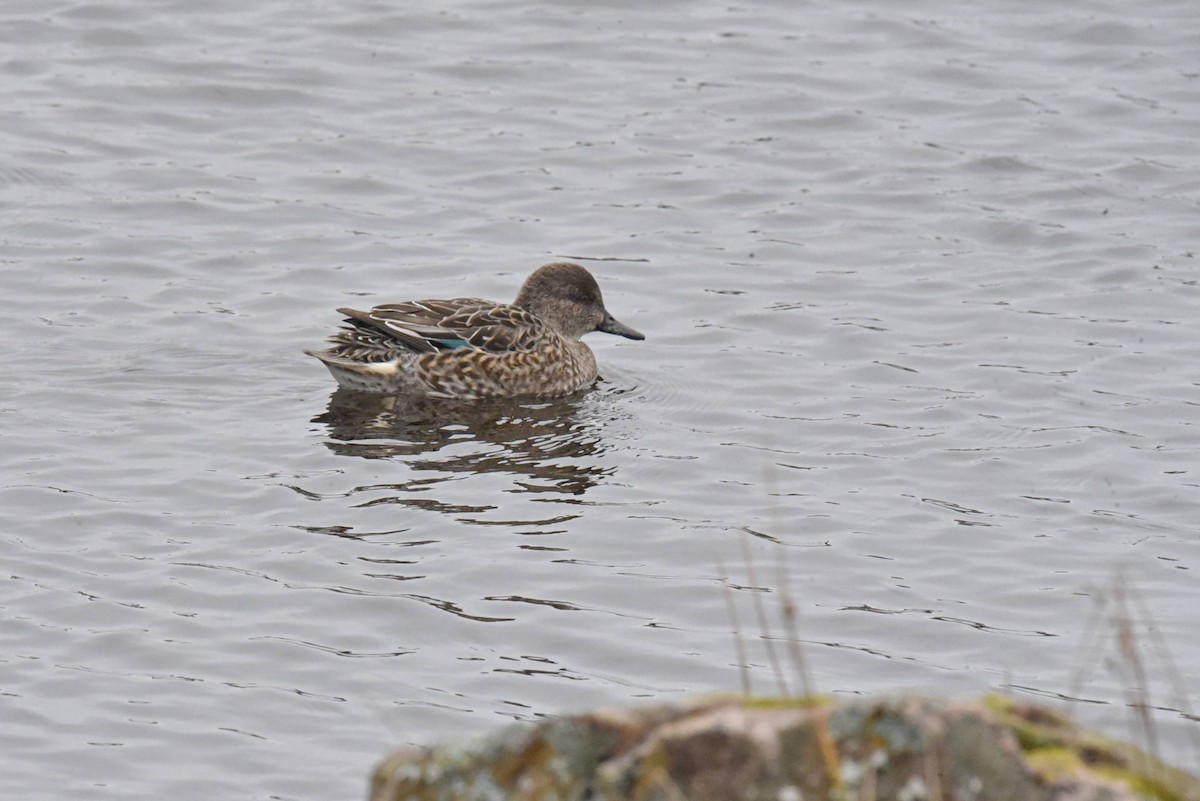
(923, 325)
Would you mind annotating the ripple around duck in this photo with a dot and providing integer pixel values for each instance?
(542, 447)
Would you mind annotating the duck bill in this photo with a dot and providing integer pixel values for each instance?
(610, 325)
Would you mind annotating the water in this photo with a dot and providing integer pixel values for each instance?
(920, 298)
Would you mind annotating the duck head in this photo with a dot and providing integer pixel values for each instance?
(568, 299)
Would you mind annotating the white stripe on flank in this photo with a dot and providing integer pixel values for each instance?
(380, 368)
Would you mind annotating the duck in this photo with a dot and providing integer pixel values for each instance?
(471, 348)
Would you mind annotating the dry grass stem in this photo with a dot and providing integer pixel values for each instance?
(791, 626)
(1119, 620)
(761, 616)
(738, 642)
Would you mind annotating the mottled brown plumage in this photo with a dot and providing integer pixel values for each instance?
(474, 348)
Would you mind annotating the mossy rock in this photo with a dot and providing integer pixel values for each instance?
(736, 749)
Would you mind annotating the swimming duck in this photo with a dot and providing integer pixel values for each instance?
(472, 348)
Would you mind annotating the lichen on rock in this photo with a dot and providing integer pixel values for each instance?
(735, 749)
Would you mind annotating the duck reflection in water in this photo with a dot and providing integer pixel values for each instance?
(551, 444)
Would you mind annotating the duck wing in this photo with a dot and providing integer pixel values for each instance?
(428, 326)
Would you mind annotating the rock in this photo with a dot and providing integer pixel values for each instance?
(730, 749)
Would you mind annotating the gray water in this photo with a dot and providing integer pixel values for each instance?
(921, 301)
